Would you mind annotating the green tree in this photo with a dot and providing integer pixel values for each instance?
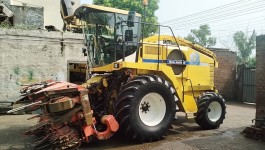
(136, 5)
(251, 62)
(202, 36)
(245, 45)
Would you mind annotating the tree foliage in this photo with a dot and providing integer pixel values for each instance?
(202, 36)
(245, 45)
(251, 62)
(135, 5)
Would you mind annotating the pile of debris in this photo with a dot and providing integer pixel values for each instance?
(256, 131)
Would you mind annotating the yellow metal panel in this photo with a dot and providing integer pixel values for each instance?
(188, 102)
(200, 73)
(183, 42)
(153, 50)
(92, 80)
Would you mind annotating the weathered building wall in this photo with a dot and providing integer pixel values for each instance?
(225, 74)
(37, 13)
(5, 2)
(260, 82)
(51, 10)
(34, 56)
(26, 16)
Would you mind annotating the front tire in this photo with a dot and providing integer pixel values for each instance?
(211, 110)
(146, 108)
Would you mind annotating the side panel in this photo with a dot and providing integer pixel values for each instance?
(196, 77)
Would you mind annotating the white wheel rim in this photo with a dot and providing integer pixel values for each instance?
(214, 111)
(152, 109)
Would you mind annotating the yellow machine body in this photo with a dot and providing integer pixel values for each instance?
(196, 72)
(135, 85)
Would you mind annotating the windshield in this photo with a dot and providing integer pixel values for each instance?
(106, 37)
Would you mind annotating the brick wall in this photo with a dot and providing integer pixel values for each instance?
(33, 56)
(225, 74)
(260, 81)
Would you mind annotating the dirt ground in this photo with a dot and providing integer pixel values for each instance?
(185, 135)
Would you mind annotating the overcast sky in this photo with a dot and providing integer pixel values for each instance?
(245, 15)
(171, 9)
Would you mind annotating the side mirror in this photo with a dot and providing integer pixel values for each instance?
(130, 20)
(129, 35)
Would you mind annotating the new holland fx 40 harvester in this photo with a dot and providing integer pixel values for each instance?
(135, 85)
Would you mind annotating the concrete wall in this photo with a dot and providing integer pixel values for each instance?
(260, 82)
(34, 56)
(225, 74)
(5, 1)
(51, 9)
(26, 16)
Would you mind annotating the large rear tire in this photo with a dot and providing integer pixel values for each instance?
(211, 110)
(146, 107)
